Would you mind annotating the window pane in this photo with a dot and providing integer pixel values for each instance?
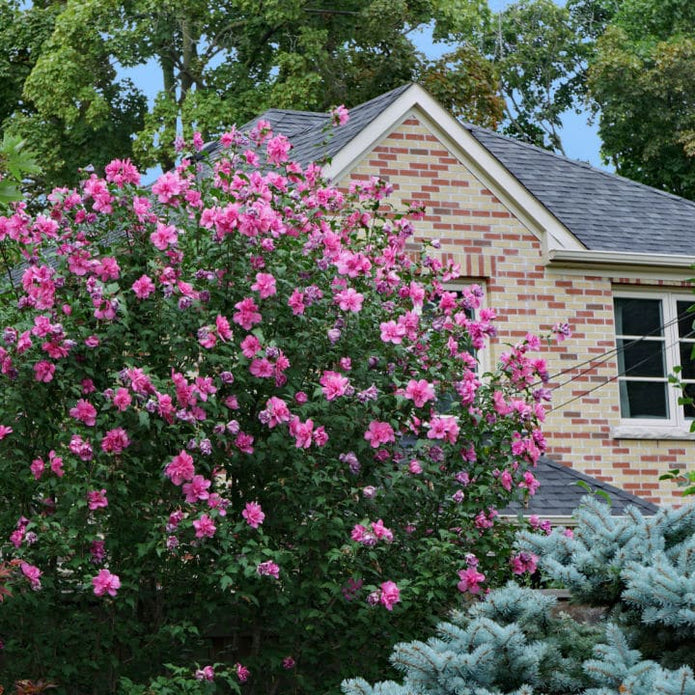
(641, 358)
(638, 316)
(685, 319)
(686, 351)
(645, 399)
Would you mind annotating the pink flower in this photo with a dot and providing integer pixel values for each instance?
(302, 432)
(470, 580)
(381, 532)
(444, 427)
(197, 489)
(506, 480)
(4, 431)
(43, 371)
(349, 300)
(115, 441)
(268, 569)
(420, 392)
(168, 186)
(389, 595)
(562, 331)
(244, 442)
(97, 499)
(204, 527)
(250, 345)
(106, 583)
(415, 467)
(253, 514)
(143, 287)
(262, 368)
(224, 330)
(121, 172)
(379, 433)
(242, 673)
(81, 448)
(164, 236)
(278, 148)
(122, 399)
(296, 302)
(264, 285)
(530, 483)
(361, 535)
(524, 562)
(277, 411)
(334, 384)
(207, 673)
(288, 663)
(247, 315)
(85, 412)
(37, 467)
(56, 464)
(392, 332)
(340, 115)
(33, 574)
(180, 468)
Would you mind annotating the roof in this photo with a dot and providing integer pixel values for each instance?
(313, 139)
(560, 494)
(603, 211)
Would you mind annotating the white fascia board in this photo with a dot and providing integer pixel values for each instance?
(677, 267)
(491, 173)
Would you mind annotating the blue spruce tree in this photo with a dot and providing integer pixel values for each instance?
(515, 642)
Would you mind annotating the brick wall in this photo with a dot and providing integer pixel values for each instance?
(491, 245)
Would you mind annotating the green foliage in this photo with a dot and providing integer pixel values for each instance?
(15, 164)
(541, 62)
(642, 80)
(219, 65)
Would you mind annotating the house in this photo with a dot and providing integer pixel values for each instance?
(550, 240)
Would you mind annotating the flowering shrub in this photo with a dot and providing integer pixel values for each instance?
(241, 423)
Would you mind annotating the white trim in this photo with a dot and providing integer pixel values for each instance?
(651, 432)
(620, 261)
(492, 174)
(676, 426)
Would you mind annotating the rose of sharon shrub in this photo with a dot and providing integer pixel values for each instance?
(205, 388)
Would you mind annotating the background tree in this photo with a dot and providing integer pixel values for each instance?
(219, 65)
(66, 94)
(541, 63)
(65, 126)
(643, 81)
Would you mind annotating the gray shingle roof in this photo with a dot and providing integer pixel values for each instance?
(313, 139)
(559, 494)
(604, 211)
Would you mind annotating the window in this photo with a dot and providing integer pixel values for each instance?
(654, 335)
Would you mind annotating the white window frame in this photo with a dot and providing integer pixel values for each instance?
(677, 425)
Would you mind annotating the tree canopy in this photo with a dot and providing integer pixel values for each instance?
(64, 90)
(643, 81)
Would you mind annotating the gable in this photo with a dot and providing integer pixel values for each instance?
(415, 103)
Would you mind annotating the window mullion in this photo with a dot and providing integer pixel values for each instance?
(672, 346)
